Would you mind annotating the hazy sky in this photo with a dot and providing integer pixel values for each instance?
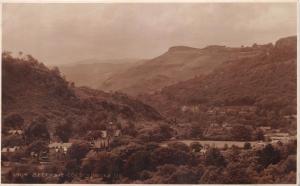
(66, 33)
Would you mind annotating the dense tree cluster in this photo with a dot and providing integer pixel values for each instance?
(37, 130)
(12, 121)
(175, 164)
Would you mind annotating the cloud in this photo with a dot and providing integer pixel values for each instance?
(64, 33)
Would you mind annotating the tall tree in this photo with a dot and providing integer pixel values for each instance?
(268, 155)
(214, 157)
(64, 131)
(13, 121)
(37, 130)
(78, 151)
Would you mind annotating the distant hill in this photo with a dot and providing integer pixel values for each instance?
(178, 64)
(30, 89)
(267, 80)
(93, 72)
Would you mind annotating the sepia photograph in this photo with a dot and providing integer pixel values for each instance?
(149, 92)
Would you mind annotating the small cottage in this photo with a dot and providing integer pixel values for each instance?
(10, 149)
(117, 133)
(15, 132)
(59, 147)
(265, 128)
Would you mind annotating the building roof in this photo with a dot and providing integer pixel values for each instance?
(59, 145)
(277, 134)
(100, 143)
(265, 127)
(15, 132)
(103, 133)
(10, 149)
(118, 133)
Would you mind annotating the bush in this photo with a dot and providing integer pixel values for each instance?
(64, 131)
(268, 155)
(214, 157)
(13, 121)
(179, 146)
(184, 175)
(37, 130)
(168, 155)
(136, 163)
(196, 146)
(247, 146)
(78, 151)
(12, 140)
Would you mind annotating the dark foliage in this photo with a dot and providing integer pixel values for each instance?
(78, 151)
(214, 157)
(37, 130)
(64, 131)
(268, 155)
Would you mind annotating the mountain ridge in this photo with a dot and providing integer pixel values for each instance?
(179, 63)
(30, 89)
(266, 80)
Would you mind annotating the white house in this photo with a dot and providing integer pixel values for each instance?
(60, 146)
(15, 132)
(10, 149)
(118, 133)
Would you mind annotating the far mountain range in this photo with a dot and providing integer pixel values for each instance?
(139, 76)
(261, 74)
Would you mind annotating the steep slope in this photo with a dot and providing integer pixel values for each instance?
(267, 80)
(93, 73)
(179, 63)
(30, 89)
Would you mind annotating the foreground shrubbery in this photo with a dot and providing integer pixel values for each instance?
(176, 164)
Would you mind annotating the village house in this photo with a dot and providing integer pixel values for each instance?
(276, 137)
(101, 143)
(57, 150)
(15, 132)
(42, 156)
(214, 125)
(204, 150)
(276, 130)
(265, 128)
(118, 133)
(292, 119)
(232, 110)
(214, 129)
(243, 112)
(59, 147)
(192, 108)
(112, 126)
(105, 138)
(10, 149)
(258, 145)
(103, 134)
(101, 139)
(213, 111)
(227, 126)
(184, 108)
(252, 109)
(222, 112)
